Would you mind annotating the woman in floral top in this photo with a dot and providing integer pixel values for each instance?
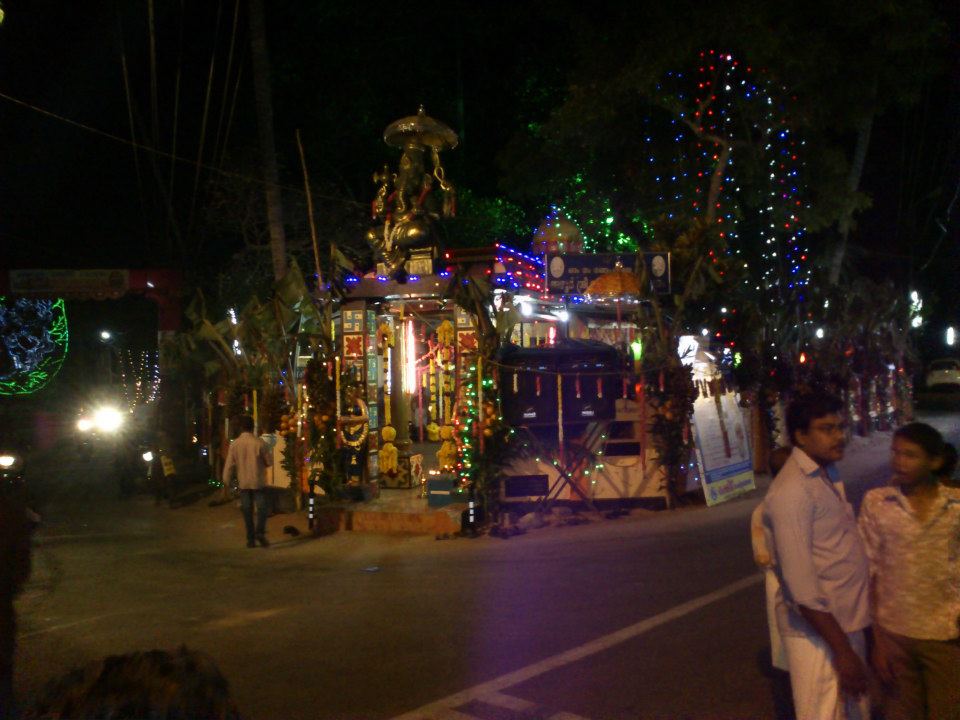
(911, 531)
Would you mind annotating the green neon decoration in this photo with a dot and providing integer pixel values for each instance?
(34, 340)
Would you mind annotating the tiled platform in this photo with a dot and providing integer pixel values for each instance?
(395, 511)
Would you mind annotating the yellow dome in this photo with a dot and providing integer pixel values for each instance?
(557, 233)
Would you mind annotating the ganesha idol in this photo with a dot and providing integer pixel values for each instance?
(410, 201)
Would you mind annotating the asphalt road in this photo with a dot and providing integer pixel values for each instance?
(654, 615)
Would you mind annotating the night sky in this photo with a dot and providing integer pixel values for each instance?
(71, 197)
(68, 188)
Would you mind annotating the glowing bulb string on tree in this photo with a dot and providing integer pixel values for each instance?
(721, 86)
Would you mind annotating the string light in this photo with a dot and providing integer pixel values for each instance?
(515, 270)
(140, 377)
(730, 101)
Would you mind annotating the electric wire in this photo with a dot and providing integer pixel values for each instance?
(164, 154)
(136, 156)
(203, 126)
(176, 101)
(219, 137)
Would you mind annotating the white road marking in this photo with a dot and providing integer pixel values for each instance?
(240, 617)
(450, 714)
(434, 710)
(64, 626)
(91, 619)
(47, 539)
(508, 702)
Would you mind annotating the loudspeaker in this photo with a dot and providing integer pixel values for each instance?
(590, 375)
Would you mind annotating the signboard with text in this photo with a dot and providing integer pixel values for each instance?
(719, 432)
(572, 273)
(71, 283)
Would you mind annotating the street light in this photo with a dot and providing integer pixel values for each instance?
(108, 341)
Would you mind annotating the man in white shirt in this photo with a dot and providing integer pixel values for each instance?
(823, 607)
(250, 457)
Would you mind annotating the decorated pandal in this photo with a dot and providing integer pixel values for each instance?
(411, 349)
(408, 367)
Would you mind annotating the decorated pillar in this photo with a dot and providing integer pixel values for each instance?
(405, 240)
(359, 373)
(400, 404)
(372, 385)
(468, 398)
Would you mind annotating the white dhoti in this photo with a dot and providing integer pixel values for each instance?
(778, 655)
(816, 687)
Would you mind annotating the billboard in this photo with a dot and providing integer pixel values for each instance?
(70, 283)
(720, 435)
(572, 273)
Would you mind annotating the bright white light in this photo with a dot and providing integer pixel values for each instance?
(951, 336)
(84, 424)
(723, 310)
(7, 461)
(916, 322)
(526, 309)
(105, 335)
(916, 307)
(148, 456)
(108, 419)
(704, 332)
(563, 316)
(409, 359)
(819, 332)
(687, 349)
(232, 314)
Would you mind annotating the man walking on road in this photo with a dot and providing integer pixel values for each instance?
(250, 456)
(823, 607)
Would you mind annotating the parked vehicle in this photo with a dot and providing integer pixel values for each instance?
(944, 373)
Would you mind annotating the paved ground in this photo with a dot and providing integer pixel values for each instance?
(648, 616)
